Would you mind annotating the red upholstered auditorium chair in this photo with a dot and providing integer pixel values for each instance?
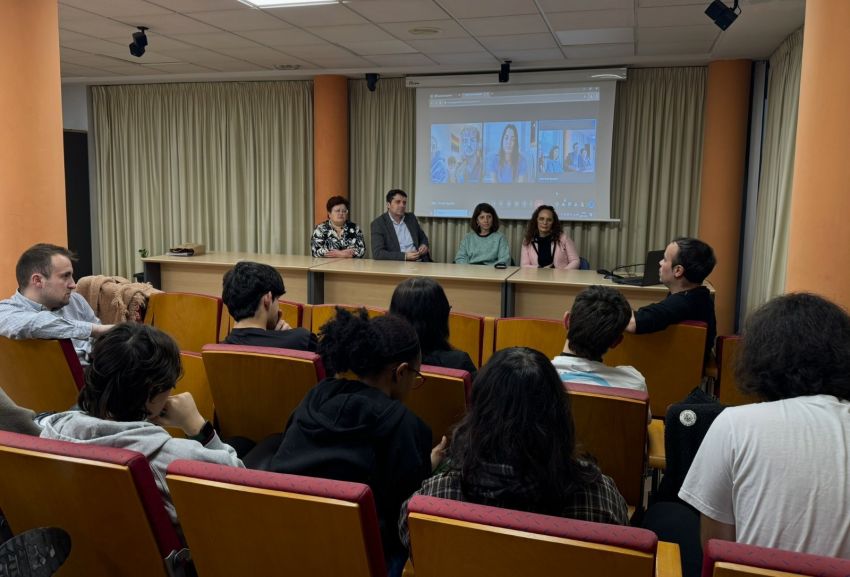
(466, 333)
(727, 559)
(442, 399)
(323, 313)
(455, 539)
(611, 426)
(545, 335)
(671, 361)
(244, 522)
(193, 320)
(40, 374)
(255, 389)
(105, 498)
(194, 380)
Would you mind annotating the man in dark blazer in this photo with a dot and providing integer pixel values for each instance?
(396, 234)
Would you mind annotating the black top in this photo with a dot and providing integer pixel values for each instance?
(349, 431)
(690, 305)
(300, 339)
(545, 256)
(453, 359)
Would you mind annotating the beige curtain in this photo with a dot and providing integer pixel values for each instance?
(229, 165)
(655, 182)
(382, 130)
(777, 172)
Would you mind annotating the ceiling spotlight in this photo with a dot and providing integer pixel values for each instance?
(372, 80)
(140, 40)
(722, 15)
(505, 71)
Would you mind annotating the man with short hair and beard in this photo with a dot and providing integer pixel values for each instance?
(45, 305)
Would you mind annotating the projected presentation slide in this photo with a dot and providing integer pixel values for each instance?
(515, 147)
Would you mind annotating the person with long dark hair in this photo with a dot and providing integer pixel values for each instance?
(545, 244)
(516, 448)
(127, 401)
(485, 244)
(423, 303)
(358, 430)
(508, 164)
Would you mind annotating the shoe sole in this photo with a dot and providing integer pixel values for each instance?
(35, 553)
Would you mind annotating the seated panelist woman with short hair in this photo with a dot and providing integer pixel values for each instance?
(545, 245)
(338, 237)
(485, 244)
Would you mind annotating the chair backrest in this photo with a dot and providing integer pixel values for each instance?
(671, 361)
(611, 426)
(325, 312)
(442, 400)
(291, 311)
(455, 539)
(193, 320)
(194, 380)
(545, 335)
(105, 498)
(243, 522)
(40, 374)
(727, 384)
(728, 559)
(466, 333)
(255, 389)
(488, 342)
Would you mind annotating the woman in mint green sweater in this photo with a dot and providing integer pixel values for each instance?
(485, 245)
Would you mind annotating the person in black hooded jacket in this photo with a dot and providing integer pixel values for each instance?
(358, 430)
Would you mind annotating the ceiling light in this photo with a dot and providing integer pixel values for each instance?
(424, 31)
(287, 67)
(285, 3)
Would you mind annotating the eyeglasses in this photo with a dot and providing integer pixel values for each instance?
(340, 211)
(418, 380)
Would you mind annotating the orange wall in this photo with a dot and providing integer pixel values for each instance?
(819, 237)
(330, 141)
(32, 171)
(727, 106)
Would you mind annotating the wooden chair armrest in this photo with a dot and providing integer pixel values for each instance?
(657, 452)
(408, 569)
(667, 560)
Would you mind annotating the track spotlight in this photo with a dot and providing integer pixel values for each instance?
(140, 40)
(505, 71)
(372, 80)
(722, 15)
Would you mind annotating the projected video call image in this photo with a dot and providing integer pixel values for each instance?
(456, 154)
(513, 152)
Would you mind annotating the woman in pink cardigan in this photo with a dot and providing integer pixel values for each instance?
(544, 245)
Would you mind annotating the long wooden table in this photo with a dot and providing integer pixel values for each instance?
(484, 290)
(469, 288)
(549, 293)
(203, 274)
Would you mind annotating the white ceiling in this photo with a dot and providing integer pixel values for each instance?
(225, 39)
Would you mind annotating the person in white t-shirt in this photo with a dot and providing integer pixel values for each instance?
(775, 474)
(596, 323)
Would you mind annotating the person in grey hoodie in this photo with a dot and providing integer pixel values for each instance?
(127, 401)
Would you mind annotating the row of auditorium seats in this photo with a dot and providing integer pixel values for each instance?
(243, 522)
(671, 360)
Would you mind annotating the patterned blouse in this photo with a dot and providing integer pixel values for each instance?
(325, 239)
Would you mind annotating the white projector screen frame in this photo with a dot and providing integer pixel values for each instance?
(563, 123)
